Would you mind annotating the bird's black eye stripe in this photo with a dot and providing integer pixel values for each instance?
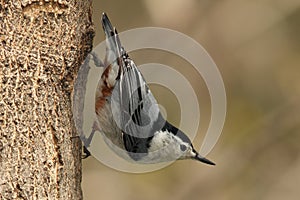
(182, 147)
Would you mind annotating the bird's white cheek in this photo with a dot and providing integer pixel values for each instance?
(164, 147)
(159, 141)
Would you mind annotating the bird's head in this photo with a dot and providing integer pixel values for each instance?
(173, 143)
(188, 152)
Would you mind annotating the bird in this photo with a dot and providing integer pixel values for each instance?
(128, 115)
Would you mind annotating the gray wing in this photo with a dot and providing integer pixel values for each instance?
(134, 108)
(137, 107)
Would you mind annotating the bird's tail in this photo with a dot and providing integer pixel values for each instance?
(113, 44)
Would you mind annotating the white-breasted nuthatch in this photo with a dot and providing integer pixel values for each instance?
(128, 114)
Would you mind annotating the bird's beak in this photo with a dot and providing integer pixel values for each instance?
(196, 156)
(204, 160)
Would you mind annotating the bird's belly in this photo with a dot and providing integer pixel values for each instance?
(108, 126)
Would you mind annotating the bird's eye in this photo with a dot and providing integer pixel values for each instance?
(182, 147)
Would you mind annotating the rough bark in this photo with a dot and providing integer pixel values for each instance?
(42, 45)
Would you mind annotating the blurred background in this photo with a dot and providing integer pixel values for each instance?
(256, 46)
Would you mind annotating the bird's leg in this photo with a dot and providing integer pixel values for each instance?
(86, 152)
(79, 100)
(87, 141)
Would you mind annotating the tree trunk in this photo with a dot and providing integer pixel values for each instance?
(42, 45)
